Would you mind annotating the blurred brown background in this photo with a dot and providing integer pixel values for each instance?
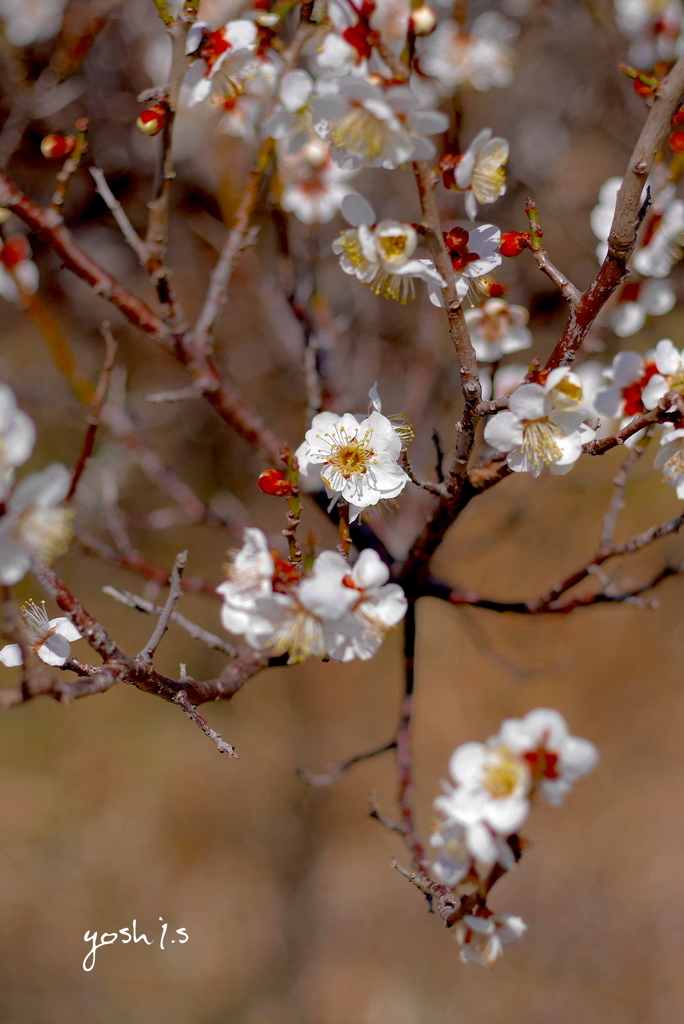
(118, 808)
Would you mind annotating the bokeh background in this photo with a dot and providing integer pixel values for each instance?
(118, 808)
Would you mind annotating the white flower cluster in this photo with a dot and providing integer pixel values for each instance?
(336, 611)
(495, 784)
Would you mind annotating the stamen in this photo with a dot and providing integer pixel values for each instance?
(360, 132)
(539, 442)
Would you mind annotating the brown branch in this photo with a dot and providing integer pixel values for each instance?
(617, 499)
(218, 284)
(336, 771)
(195, 631)
(139, 563)
(95, 410)
(175, 591)
(71, 165)
(623, 232)
(565, 287)
(425, 485)
(127, 230)
(194, 716)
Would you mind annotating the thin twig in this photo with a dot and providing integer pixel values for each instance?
(127, 230)
(195, 631)
(336, 771)
(194, 716)
(147, 653)
(425, 485)
(617, 499)
(565, 287)
(95, 410)
(71, 165)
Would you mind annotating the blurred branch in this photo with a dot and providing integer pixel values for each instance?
(135, 560)
(336, 771)
(71, 165)
(127, 230)
(623, 232)
(617, 499)
(218, 284)
(95, 410)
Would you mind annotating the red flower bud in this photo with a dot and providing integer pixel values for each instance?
(676, 141)
(678, 119)
(54, 147)
(272, 481)
(447, 166)
(152, 120)
(513, 242)
(646, 92)
(497, 290)
(15, 250)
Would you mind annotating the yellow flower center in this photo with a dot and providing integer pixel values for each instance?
(540, 443)
(45, 531)
(570, 390)
(360, 132)
(349, 455)
(504, 774)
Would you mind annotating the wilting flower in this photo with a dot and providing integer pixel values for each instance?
(636, 301)
(556, 760)
(671, 458)
(368, 126)
(479, 172)
(358, 459)
(17, 437)
(536, 432)
(313, 185)
(34, 526)
(49, 638)
(226, 64)
(380, 256)
(482, 938)
(18, 273)
(480, 58)
(497, 328)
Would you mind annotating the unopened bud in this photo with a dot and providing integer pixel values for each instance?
(272, 481)
(54, 147)
(268, 19)
(152, 120)
(423, 20)
(678, 118)
(497, 290)
(676, 141)
(5, 214)
(646, 92)
(513, 242)
(15, 250)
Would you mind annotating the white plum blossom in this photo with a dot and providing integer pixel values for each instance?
(454, 861)
(358, 459)
(480, 171)
(226, 61)
(335, 611)
(628, 376)
(30, 21)
(669, 363)
(497, 328)
(638, 300)
(371, 126)
(474, 256)
(535, 432)
(482, 938)
(662, 246)
(671, 459)
(34, 526)
(293, 120)
(654, 28)
(372, 607)
(49, 638)
(556, 760)
(481, 58)
(17, 437)
(601, 216)
(490, 799)
(313, 185)
(380, 256)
